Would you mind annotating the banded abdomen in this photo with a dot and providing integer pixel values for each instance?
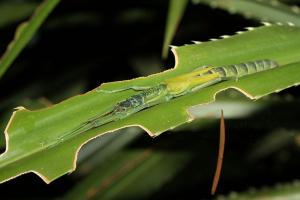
(242, 69)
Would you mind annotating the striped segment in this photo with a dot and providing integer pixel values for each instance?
(242, 69)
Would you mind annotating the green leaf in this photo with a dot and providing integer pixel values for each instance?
(35, 139)
(175, 13)
(24, 33)
(267, 10)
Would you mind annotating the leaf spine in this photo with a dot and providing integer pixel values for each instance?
(250, 28)
(267, 23)
(225, 36)
(196, 42)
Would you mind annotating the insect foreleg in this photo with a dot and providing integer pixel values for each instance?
(96, 122)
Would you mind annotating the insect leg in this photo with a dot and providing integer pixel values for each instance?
(135, 88)
(80, 129)
(96, 122)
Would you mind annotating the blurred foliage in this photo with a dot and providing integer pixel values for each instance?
(287, 191)
(68, 56)
(24, 33)
(175, 12)
(12, 12)
(265, 10)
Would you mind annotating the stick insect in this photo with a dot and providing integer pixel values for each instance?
(172, 88)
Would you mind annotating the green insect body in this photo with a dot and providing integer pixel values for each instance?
(172, 88)
(146, 98)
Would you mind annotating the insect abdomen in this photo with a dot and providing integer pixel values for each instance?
(242, 69)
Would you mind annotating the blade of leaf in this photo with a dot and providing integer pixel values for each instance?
(273, 11)
(33, 138)
(24, 33)
(175, 13)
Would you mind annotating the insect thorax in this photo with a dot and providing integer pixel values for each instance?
(138, 101)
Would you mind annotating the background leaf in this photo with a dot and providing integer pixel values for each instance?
(273, 11)
(175, 13)
(24, 33)
(11, 11)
